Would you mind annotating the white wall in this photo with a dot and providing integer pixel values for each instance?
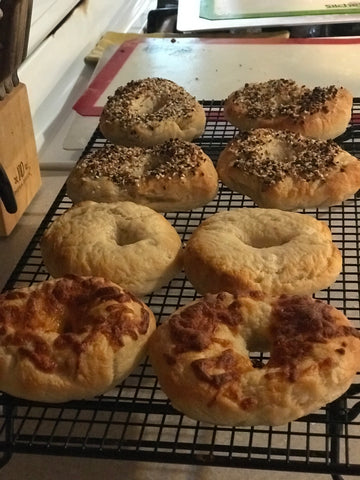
(55, 65)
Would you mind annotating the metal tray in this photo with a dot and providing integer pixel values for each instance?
(136, 422)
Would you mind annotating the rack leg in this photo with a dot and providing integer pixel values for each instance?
(8, 410)
(334, 429)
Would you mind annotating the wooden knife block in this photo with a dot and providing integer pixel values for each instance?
(18, 154)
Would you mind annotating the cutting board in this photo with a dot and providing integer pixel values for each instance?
(211, 68)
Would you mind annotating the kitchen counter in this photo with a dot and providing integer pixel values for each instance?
(12, 247)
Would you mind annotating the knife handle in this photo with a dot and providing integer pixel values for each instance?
(6, 192)
(14, 35)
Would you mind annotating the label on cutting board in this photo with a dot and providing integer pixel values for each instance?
(232, 9)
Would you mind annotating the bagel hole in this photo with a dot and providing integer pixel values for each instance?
(158, 105)
(259, 360)
(146, 106)
(71, 322)
(127, 237)
(267, 241)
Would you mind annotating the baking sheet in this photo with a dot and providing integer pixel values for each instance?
(189, 20)
(232, 9)
(214, 67)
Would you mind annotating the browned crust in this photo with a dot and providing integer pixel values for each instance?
(201, 356)
(70, 338)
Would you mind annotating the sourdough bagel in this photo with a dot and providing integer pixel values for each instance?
(173, 176)
(70, 338)
(150, 111)
(130, 244)
(282, 104)
(264, 250)
(285, 170)
(201, 357)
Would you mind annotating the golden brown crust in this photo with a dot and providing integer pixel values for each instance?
(321, 112)
(285, 170)
(201, 356)
(130, 244)
(70, 338)
(264, 250)
(150, 111)
(176, 175)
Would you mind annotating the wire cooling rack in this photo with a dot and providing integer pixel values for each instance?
(136, 422)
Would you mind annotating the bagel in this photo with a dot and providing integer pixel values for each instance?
(282, 104)
(201, 357)
(285, 170)
(150, 111)
(70, 338)
(130, 244)
(266, 250)
(173, 176)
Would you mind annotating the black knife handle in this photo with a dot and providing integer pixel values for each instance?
(15, 20)
(6, 192)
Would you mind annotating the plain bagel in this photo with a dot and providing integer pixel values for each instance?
(130, 244)
(150, 111)
(176, 175)
(70, 338)
(265, 250)
(282, 104)
(285, 170)
(201, 357)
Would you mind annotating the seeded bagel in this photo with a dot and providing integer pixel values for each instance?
(282, 104)
(176, 175)
(285, 170)
(150, 111)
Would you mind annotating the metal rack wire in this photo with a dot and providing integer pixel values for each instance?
(136, 422)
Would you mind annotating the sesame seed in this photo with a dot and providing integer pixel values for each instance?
(273, 155)
(129, 166)
(282, 97)
(148, 101)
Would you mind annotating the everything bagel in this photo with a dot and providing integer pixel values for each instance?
(176, 175)
(282, 104)
(285, 170)
(150, 111)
